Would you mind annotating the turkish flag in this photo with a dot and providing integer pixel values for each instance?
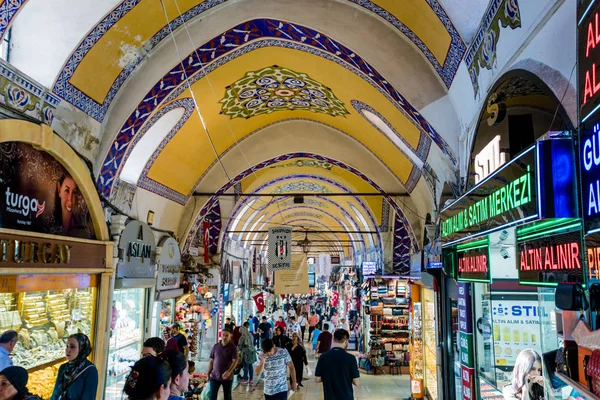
(335, 296)
(259, 300)
(206, 227)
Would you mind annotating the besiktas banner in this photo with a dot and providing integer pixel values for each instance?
(37, 194)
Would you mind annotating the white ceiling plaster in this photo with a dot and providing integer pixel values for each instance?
(45, 33)
(145, 147)
(466, 15)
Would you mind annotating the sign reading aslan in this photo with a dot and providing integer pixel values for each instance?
(137, 246)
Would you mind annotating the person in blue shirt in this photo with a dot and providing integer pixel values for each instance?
(315, 337)
(255, 321)
(78, 378)
(8, 340)
(180, 376)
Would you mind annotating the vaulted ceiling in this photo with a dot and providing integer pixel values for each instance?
(323, 96)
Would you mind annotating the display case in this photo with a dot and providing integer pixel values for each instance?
(44, 320)
(126, 338)
(166, 315)
(429, 344)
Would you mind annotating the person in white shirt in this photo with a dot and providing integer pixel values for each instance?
(302, 321)
(294, 326)
(292, 313)
(344, 324)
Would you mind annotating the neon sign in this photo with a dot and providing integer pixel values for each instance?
(589, 61)
(473, 262)
(548, 257)
(517, 193)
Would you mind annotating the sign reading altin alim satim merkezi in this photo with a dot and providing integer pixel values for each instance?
(509, 195)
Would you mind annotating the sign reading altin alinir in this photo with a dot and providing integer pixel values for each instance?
(507, 196)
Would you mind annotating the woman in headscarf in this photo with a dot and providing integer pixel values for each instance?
(298, 354)
(13, 384)
(78, 378)
(247, 353)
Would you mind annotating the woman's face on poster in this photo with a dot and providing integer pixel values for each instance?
(66, 192)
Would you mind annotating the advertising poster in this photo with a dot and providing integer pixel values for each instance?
(516, 327)
(294, 281)
(37, 194)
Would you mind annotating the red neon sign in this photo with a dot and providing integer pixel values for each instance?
(551, 258)
(473, 264)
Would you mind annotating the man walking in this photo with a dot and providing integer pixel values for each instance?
(274, 361)
(223, 360)
(324, 341)
(338, 369)
(8, 340)
(302, 322)
(265, 329)
(177, 341)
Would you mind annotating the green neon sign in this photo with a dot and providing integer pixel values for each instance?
(513, 195)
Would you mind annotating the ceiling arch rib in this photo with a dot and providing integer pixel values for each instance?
(264, 33)
(433, 35)
(403, 232)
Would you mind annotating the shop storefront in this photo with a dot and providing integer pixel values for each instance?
(54, 276)
(168, 281)
(132, 302)
(500, 257)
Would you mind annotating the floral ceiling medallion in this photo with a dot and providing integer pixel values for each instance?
(278, 89)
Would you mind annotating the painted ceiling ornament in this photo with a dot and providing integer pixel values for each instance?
(306, 163)
(278, 89)
(482, 51)
(302, 187)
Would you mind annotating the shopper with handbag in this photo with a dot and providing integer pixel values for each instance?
(78, 378)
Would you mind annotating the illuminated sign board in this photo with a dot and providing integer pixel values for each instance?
(590, 174)
(548, 258)
(473, 262)
(589, 59)
(540, 183)
(473, 266)
(592, 257)
(507, 196)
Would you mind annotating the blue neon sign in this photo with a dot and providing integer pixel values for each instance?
(590, 174)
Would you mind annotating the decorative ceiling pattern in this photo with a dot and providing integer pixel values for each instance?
(278, 89)
(8, 11)
(231, 45)
(301, 186)
(97, 107)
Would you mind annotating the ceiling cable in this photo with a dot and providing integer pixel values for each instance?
(192, 92)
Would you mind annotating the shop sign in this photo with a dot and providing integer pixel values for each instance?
(592, 248)
(38, 194)
(505, 197)
(550, 258)
(516, 327)
(137, 247)
(28, 252)
(489, 159)
(468, 384)
(473, 265)
(465, 328)
(169, 265)
(588, 37)
(590, 174)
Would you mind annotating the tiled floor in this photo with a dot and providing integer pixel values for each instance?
(380, 387)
